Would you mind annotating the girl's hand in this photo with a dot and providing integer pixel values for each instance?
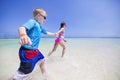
(65, 40)
(56, 34)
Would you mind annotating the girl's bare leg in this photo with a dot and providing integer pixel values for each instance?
(63, 46)
(53, 50)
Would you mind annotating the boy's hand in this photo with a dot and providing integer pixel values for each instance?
(56, 34)
(25, 40)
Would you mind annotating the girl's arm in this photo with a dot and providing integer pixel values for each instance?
(64, 40)
(61, 30)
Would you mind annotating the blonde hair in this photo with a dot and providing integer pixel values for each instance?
(37, 11)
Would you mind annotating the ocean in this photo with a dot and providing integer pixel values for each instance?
(85, 59)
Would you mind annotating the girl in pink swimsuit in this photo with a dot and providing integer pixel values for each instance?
(60, 37)
(59, 40)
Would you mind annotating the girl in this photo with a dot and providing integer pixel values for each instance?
(59, 40)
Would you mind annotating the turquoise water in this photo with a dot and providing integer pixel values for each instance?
(15, 42)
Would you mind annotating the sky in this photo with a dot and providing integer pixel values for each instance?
(84, 18)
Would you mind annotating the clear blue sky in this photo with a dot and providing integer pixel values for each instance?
(84, 18)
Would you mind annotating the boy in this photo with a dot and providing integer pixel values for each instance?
(29, 39)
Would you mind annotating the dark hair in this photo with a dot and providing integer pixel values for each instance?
(62, 24)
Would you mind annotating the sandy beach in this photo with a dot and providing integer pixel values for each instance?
(85, 59)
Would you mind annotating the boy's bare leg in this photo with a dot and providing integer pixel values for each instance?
(11, 78)
(42, 67)
(43, 70)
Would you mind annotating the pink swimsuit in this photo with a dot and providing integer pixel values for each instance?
(59, 38)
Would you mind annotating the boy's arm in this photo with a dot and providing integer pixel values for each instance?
(52, 34)
(24, 39)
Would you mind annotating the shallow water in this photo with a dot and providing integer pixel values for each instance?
(85, 59)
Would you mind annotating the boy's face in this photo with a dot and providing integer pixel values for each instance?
(42, 17)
